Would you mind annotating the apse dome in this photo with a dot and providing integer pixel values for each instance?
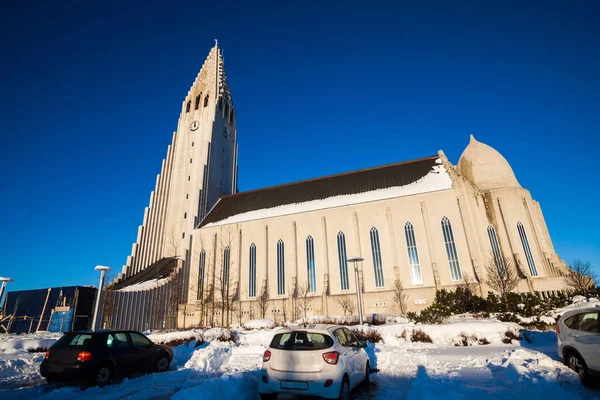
(485, 168)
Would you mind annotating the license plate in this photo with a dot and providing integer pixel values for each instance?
(294, 385)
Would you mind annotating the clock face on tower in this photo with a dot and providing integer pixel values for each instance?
(194, 125)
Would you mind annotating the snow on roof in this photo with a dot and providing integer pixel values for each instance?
(154, 283)
(436, 179)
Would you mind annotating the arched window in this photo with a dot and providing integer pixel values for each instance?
(206, 101)
(455, 272)
(527, 249)
(498, 260)
(280, 268)
(226, 266)
(310, 264)
(187, 107)
(376, 251)
(252, 273)
(201, 268)
(413, 254)
(343, 261)
(232, 117)
(197, 102)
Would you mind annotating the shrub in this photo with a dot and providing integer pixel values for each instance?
(420, 336)
(38, 349)
(225, 336)
(468, 340)
(412, 316)
(509, 336)
(367, 335)
(403, 334)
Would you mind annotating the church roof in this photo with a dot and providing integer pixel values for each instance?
(386, 181)
(159, 270)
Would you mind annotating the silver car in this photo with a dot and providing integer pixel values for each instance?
(321, 360)
(578, 334)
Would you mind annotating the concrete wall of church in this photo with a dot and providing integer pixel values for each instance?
(389, 217)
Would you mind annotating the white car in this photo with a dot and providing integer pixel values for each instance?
(578, 334)
(321, 360)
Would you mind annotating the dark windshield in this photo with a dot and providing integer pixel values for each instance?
(301, 340)
(74, 340)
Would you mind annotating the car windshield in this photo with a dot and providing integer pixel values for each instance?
(76, 340)
(301, 340)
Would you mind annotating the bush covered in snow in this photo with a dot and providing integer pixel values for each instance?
(219, 334)
(420, 336)
(259, 324)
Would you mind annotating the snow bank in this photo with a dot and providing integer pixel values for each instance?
(259, 324)
(229, 387)
(578, 302)
(15, 343)
(168, 337)
(450, 333)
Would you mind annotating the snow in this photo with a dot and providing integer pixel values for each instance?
(578, 302)
(259, 324)
(153, 283)
(407, 370)
(436, 179)
(18, 343)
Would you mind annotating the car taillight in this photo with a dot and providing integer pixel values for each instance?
(84, 356)
(266, 356)
(47, 355)
(557, 329)
(331, 358)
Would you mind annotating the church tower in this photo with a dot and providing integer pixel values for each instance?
(200, 167)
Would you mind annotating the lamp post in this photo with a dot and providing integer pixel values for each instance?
(356, 260)
(3, 287)
(102, 270)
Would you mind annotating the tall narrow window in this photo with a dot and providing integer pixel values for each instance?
(498, 260)
(280, 268)
(527, 249)
(206, 101)
(201, 267)
(197, 102)
(343, 261)
(413, 254)
(310, 264)
(455, 272)
(187, 107)
(376, 250)
(226, 266)
(252, 273)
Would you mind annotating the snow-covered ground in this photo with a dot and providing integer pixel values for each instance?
(407, 370)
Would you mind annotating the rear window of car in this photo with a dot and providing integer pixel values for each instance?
(301, 341)
(571, 322)
(77, 340)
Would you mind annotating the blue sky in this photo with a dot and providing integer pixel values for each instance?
(91, 92)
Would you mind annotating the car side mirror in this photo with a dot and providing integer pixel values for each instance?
(362, 345)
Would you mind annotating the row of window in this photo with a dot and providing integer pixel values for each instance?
(197, 104)
(411, 246)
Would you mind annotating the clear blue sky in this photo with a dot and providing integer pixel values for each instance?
(90, 94)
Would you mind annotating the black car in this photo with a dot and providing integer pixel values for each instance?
(97, 357)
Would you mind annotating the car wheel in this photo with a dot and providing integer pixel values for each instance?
(268, 396)
(367, 381)
(576, 363)
(103, 375)
(345, 390)
(162, 364)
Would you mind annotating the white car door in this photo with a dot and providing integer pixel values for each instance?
(347, 355)
(587, 339)
(359, 362)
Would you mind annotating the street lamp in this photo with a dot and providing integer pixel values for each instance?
(3, 287)
(356, 260)
(102, 270)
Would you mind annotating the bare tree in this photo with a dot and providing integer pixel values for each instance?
(469, 283)
(501, 276)
(237, 311)
(303, 297)
(400, 298)
(346, 303)
(108, 300)
(225, 275)
(263, 303)
(580, 277)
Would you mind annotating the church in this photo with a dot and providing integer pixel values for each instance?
(207, 254)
